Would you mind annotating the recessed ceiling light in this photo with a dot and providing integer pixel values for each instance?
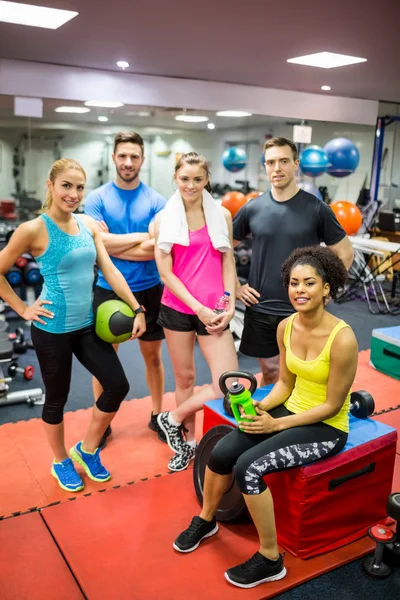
(122, 64)
(191, 118)
(72, 109)
(210, 125)
(326, 60)
(34, 16)
(233, 113)
(102, 119)
(326, 88)
(103, 103)
(140, 113)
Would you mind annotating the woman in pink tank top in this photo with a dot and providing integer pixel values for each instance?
(195, 276)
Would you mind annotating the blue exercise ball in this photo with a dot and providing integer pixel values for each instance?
(309, 187)
(234, 159)
(314, 161)
(343, 157)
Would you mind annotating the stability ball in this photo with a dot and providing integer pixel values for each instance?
(309, 187)
(343, 157)
(252, 195)
(314, 161)
(233, 201)
(114, 321)
(348, 215)
(234, 159)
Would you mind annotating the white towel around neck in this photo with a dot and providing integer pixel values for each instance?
(174, 228)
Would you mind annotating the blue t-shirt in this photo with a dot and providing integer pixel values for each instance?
(127, 211)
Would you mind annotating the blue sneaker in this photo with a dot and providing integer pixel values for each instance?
(68, 479)
(90, 462)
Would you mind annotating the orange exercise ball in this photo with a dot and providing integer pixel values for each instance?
(233, 201)
(348, 215)
(252, 195)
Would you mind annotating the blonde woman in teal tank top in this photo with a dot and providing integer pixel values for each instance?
(66, 247)
(303, 419)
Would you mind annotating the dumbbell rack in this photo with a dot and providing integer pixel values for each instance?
(32, 396)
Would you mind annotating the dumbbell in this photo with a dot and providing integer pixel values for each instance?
(14, 276)
(243, 257)
(391, 552)
(374, 565)
(18, 339)
(362, 404)
(32, 274)
(28, 372)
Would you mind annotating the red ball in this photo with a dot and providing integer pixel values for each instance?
(252, 195)
(348, 215)
(233, 201)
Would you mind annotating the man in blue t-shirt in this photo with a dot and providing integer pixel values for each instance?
(125, 209)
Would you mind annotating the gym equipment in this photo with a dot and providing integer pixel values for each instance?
(14, 276)
(309, 187)
(385, 350)
(374, 565)
(314, 161)
(28, 372)
(32, 274)
(234, 159)
(348, 215)
(252, 195)
(362, 404)
(304, 496)
(343, 156)
(114, 321)
(242, 256)
(31, 396)
(391, 551)
(238, 395)
(232, 505)
(233, 201)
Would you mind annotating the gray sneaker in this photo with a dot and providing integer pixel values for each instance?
(173, 433)
(180, 461)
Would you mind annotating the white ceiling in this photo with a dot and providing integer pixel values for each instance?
(226, 41)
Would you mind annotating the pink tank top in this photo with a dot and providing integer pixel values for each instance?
(199, 267)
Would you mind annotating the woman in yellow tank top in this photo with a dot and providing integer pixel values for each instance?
(303, 419)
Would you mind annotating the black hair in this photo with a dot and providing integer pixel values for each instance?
(328, 266)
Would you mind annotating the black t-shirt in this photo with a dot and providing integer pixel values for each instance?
(278, 228)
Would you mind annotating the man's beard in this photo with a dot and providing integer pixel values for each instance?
(128, 177)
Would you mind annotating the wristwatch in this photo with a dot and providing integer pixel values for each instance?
(139, 310)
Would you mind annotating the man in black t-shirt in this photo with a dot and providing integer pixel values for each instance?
(279, 222)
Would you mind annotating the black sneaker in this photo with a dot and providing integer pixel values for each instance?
(198, 529)
(103, 441)
(154, 426)
(256, 570)
(173, 433)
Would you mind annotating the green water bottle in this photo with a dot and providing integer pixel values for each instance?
(238, 395)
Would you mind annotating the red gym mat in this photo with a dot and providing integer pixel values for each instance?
(119, 545)
(32, 567)
(133, 452)
(392, 418)
(384, 389)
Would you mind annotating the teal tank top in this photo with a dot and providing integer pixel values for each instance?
(67, 268)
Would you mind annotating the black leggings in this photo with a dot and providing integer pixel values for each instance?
(253, 456)
(55, 351)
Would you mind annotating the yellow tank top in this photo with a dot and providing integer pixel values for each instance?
(312, 379)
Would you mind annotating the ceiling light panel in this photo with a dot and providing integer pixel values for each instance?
(34, 16)
(326, 60)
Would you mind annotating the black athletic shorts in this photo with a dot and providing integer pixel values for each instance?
(178, 321)
(150, 299)
(259, 334)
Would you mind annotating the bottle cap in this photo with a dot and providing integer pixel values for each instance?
(227, 294)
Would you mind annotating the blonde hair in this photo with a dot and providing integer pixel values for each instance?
(61, 165)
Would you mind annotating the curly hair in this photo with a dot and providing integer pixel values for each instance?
(324, 261)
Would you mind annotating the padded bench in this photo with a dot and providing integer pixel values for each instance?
(329, 503)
